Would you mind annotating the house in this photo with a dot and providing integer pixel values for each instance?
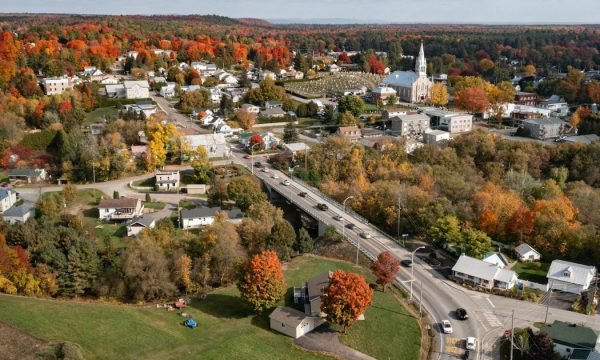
(383, 93)
(525, 98)
(58, 85)
(141, 108)
(8, 198)
(292, 322)
(224, 129)
(333, 68)
(543, 129)
(525, 252)
(168, 90)
(251, 108)
(496, 258)
(411, 86)
(18, 214)
(452, 122)
(116, 91)
(309, 294)
(392, 112)
(139, 151)
(412, 125)
(570, 277)
(273, 104)
(203, 216)
(483, 274)
(120, 209)
(352, 133)
(138, 224)
(435, 136)
(28, 175)
(556, 104)
(96, 129)
(167, 180)
(269, 139)
(266, 74)
(215, 144)
(367, 133)
(572, 341)
(137, 89)
(204, 67)
(294, 148)
(276, 112)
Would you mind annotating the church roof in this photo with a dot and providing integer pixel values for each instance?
(401, 78)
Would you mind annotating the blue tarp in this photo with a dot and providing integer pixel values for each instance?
(190, 323)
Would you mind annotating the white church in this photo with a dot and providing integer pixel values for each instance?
(411, 86)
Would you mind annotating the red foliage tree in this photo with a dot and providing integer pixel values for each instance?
(385, 269)
(257, 139)
(262, 284)
(344, 58)
(375, 65)
(521, 222)
(64, 107)
(346, 298)
(473, 99)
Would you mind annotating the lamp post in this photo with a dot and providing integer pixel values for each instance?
(343, 217)
(292, 172)
(252, 156)
(412, 268)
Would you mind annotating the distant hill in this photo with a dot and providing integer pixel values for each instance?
(255, 22)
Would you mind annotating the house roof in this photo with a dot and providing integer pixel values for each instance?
(401, 78)
(505, 275)
(118, 203)
(475, 267)
(544, 121)
(288, 316)
(571, 334)
(523, 249)
(315, 286)
(141, 83)
(144, 220)
(201, 212)
(25, 172)
(411, 117)
(349, 130)
(580, 274)
(18, 211)
(272, 112)
(4, 193)
(500, 257)
(293, 147)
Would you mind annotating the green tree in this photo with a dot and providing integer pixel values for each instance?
(353, 104)
(116, 195)
(290, 133)
(69, 193)
(282, 238)
(474, 242)
(201, 165)
(346, 118)
(304, 243)
(245, 191)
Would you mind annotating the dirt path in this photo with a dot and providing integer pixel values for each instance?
(17, 345)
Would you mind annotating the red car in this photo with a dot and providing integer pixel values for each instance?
(246, 156)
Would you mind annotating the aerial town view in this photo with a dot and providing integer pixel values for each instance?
(316, 179)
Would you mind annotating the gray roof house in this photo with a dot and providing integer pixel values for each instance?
(480, 273)
(138, 224)
(293, 322)
(570, 277)
(202, 216)
(28, 175)
(18, 214)
(309, 294)
(526, 253)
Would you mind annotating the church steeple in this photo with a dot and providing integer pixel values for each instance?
(421, 65)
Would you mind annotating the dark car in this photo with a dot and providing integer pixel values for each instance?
(350, 226)
(406, 263)
(246, 156)
(302, 194)
(258, 164)
(461, 314)
(323, 207)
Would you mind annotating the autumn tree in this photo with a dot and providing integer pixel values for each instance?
(439, 95)
(69, 193)
(473, 100)
(257, 141)
(575, 119)
(183, 268)
(346, 119)
(346, 298)
(245, 191)
(529, 70)
(261, 282)
(353, 104)
(385, 269)
(201, 165)
(246, 119)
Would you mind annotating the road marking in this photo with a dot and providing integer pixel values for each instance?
(490, 301)
(492, 319)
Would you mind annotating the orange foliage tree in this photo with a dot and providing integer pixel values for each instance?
(346, 298)
(385, 269)
(472, 99)
(261, 283)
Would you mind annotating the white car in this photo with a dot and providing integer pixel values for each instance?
(286, 183)
(446, 327)
(265, 169)
(471, 343)
(275, 176)
(365, 235)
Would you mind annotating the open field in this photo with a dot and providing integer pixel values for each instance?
(227, 328)
(98, 115)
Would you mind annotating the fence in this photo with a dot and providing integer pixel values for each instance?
(141, 188)
(534, 285)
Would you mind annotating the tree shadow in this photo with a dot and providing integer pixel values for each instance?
(222, 306)
(392, 311)
(91, 213)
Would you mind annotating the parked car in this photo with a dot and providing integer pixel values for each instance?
(338, 218)
(446, 327)
(406, 263)
(302, 194)
(323, 207)
(461, 314)
(471, 343)
(365, 235)
(286, 183)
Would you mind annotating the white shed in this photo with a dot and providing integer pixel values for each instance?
(526, 253)
(292, 322)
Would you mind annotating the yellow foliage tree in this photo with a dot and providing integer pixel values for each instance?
(439, 95)
(529, 70)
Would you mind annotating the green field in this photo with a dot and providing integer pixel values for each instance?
(227, 328)
(532, 271)
(98, 115)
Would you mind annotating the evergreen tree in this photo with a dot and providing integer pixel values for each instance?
(304, 243)
(290, 133)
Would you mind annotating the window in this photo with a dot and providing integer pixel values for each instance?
(282, 325)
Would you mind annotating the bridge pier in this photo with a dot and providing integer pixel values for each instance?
(322, 227)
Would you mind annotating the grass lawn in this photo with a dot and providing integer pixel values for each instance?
(146, 182)
(532, 271)
(227, 329)
(99, 114)
(156, 205)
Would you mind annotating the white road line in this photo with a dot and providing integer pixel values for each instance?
(490, 301)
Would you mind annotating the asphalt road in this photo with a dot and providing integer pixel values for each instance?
(181, 120)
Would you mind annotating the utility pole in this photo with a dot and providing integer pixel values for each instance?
(94, 171)
(512, 334)
(398, 223)
(548, 303)
(421, 300)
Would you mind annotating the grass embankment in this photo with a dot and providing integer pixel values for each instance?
(227, 329)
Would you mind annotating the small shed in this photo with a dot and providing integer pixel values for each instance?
(526, 253)
(292, 322)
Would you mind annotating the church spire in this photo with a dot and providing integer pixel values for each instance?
(421, 65)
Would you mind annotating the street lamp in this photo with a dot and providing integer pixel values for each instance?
(252, 156)
(412, 268)
(292, 171)
(344, 217)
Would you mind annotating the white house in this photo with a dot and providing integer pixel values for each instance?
(147, 109)
(138, 224)
(390, 113)
(115, 91)
(292, 322)
(203, 216)
(28, 175)
(251, 108)
(215, 144)
(435, 136)
(58, 85)
(333, 68)
(483, 274)
(167, 180)
(570, 277)
(7, 199)
(18, 214)
(137, 89)
(120, 209)
(526, 253)
(168, 90)
(215, 95)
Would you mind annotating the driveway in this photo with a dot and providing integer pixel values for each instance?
(323, 339)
